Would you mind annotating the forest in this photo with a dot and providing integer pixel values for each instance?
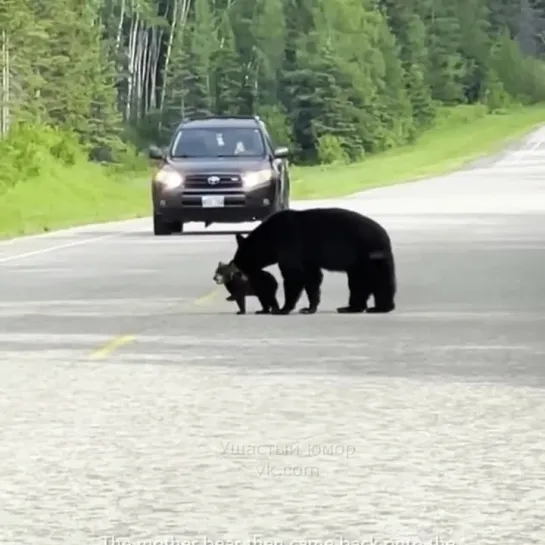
(334, 79)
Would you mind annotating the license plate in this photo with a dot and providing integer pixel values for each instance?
(213, 201)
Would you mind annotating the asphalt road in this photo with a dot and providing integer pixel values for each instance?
(134, 403)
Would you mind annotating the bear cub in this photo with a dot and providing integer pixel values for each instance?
(262, 285)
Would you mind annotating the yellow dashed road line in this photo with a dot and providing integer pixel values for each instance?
(208, 297)
(122, 340)
(110, 346)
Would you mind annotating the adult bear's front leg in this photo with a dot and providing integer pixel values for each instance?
(293, 288)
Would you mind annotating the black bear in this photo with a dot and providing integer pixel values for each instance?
(303, 242)
(262, 284)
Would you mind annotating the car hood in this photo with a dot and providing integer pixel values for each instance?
(217, 166)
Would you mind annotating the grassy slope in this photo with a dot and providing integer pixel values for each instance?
(87, 193)
(82, 194)
(462, 134)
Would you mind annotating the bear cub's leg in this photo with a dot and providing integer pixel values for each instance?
(240, 298)
(268, 302)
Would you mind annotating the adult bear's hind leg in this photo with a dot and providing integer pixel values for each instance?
(313, 283)
(360, 290)
(384, 300)
(383, 281)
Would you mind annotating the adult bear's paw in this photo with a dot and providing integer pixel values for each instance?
(308, 310)
(351, 310)
(380, 310)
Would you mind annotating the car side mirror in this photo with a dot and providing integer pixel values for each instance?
(281, 153)
(156, 153)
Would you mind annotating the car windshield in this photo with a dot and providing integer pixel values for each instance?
(224, 142)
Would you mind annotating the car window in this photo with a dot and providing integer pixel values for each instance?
(224, 142)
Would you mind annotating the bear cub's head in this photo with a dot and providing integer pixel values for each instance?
(225, 272)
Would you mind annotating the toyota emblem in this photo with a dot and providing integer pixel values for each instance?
(213, 180)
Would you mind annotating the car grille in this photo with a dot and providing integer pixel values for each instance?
(200, 181)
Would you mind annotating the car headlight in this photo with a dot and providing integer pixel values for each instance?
(169, 179)
(252, 179)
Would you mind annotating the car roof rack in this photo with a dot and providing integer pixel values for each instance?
(220, 116)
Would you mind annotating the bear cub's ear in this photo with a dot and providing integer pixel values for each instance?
(239, 238)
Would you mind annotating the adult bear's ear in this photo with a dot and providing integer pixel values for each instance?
(239, 238)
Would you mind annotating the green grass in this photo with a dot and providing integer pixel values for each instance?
(462, 134)
(90, 194)
(79, 195)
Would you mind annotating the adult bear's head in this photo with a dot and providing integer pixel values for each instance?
(261, 247)
(251, 255)
(245, 255)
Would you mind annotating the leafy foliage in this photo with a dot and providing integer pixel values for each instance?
(335, 80)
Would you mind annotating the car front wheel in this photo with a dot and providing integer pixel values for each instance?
(164, 228)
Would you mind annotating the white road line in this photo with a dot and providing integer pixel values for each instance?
(518, 157)
(53, 339)
(56, 247)
(537, 143)
(97, 228)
